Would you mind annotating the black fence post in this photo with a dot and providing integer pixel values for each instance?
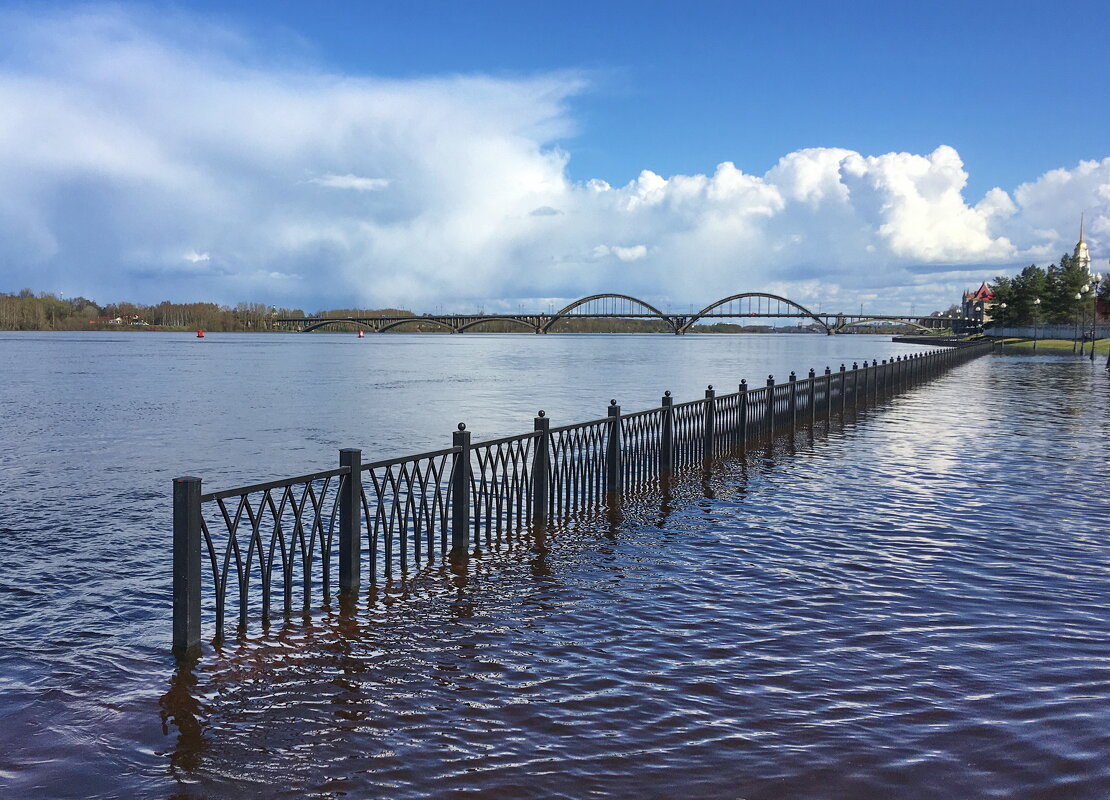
(666, 438)
(855, 384)
(709, 430)
(843, 389)
(350, 516)
(793, 400)
(812, 397)
(613, 451)
(743, 412)
(460, 493)
(769, 414)
(541, 470)
(186, 564)
(828, 392)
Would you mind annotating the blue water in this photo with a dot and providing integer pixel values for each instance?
(908, 602)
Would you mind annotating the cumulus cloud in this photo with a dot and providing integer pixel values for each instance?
(106, 178)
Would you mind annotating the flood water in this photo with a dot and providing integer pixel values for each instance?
(909, 602)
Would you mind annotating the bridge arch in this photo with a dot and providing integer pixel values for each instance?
(337, 321)
(709, 308)
(565, 312)
(473, 323)
(892, 322)
(408, 320)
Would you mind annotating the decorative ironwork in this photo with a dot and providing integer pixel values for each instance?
(290, 538)
(405, 505)
(501, 486)
(577, 466)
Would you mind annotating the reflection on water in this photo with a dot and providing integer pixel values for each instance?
(908, 602)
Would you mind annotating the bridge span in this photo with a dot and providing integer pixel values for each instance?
(746, 305)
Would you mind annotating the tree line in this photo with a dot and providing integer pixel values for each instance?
(1055, 287)
(27, 311)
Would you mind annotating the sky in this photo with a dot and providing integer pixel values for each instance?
(451, 155)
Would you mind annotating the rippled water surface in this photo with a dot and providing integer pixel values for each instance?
(908, 602)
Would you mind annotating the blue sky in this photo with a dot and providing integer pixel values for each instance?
(1017, 88)
(425, 153)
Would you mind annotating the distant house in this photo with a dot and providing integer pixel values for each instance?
(975, 304)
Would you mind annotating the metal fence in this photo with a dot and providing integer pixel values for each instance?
(300, 540)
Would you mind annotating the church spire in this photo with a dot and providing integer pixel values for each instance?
(1082, 254)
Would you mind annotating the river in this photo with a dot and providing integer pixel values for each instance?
(912, 601)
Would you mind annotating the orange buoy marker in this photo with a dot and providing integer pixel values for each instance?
(360, 334)
(200, 334)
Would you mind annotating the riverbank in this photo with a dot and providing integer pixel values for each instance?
(1056, 346)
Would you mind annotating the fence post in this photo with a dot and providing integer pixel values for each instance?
(770, 413)
(855, 384)
(812, 397)
(350, 508)
(744, 413)
(828, 392)
(541, 470)
(843, 389)
(874, 380)
(460, 493)
(613, 451)
(666, 438)
(186, 564)
(793, 400)
(710, 428)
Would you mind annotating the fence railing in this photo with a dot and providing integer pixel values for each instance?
(301, 540)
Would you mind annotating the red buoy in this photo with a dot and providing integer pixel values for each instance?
(200, 334)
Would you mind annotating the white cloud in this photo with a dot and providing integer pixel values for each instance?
(351, 182)
(106, 179)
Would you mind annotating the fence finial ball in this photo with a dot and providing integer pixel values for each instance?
(612, 402)
(711, 387)
(667, 393)
(542, 414)
(462, 426)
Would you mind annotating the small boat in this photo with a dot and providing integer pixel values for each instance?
(200, 334)
(360, 334)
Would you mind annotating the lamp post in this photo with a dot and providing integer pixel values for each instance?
(1036, 319)
(1096, 280)
(1075, 340)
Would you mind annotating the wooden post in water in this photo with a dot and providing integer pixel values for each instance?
(186, 565)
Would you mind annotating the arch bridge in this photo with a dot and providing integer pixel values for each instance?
(745, 305)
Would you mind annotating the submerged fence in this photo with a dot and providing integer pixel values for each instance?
(306, 537)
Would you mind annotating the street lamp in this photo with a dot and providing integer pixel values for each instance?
(1036, 319)
(1075, 341)
(1096, 280)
